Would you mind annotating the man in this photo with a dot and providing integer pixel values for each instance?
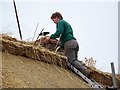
(67, 40)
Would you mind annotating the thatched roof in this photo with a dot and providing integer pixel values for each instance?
(37, 52)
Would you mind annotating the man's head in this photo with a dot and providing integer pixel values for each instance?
(56, 17)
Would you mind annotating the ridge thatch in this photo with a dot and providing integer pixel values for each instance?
(32, 50)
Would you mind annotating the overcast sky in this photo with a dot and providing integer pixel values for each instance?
(95, 25)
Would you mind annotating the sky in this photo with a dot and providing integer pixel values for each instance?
(94, 23)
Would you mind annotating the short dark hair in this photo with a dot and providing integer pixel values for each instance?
(56, 14)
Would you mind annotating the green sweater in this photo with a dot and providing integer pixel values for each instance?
(64, 31)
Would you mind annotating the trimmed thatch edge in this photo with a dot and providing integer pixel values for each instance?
(32, 50)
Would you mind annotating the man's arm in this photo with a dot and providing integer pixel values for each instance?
(59, 31)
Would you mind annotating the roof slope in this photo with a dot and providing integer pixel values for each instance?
(22, 72)
(33, 73)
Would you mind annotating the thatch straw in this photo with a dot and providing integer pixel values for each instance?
(37, 52)
(31, 50)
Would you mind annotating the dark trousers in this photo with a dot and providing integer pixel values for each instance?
(71, 49)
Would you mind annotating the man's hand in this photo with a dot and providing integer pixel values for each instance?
(47, 38)
(43, 40)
